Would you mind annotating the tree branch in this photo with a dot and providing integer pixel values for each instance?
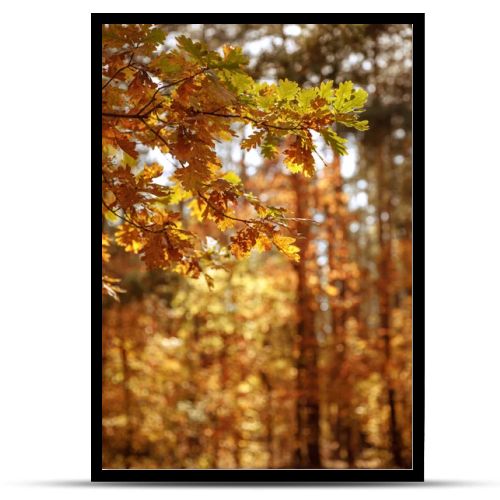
(155, 132)
(220, 212)
(249, 118)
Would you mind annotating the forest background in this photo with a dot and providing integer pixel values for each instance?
(298, 355)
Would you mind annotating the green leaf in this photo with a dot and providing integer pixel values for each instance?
(359, 99)
(336, 142)
(240, 82)
(342, 94)
(326, 90)
(265, 99)
(347, 100)
(352, 121)
(361, 125)
(195, 49)
(306, 96)
(168, 64)
(287, 89)
(269, 151)
(156, 35)
(234, 58)
(276, 212)
(269, 147)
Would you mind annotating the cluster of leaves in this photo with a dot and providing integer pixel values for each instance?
(184, 101)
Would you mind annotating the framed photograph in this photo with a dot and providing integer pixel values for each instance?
(262, 236)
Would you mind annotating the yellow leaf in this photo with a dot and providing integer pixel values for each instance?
(178, 194)
(197, 208)
(110, 216)
(225, 223)
(263, 243)
(285, 245)
(130, 238)
(232, 177)
(152, 171)
(105, 243)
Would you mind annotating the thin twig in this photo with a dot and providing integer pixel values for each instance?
(155, 132)
(118, 71)
(168, 85)
(320, 157)
(130, 221)
(220, 212)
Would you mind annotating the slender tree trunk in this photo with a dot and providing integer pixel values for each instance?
(384, 237)
(338, 256)
(269, 420)
(307, 454)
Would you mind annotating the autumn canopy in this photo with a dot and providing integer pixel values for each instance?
(184, 102)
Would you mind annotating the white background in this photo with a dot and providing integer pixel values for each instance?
(45, 250)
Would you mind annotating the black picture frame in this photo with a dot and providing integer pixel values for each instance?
(265, 476)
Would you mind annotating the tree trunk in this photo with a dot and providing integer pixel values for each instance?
(384, 237)
(307, 453)
(269, 420)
